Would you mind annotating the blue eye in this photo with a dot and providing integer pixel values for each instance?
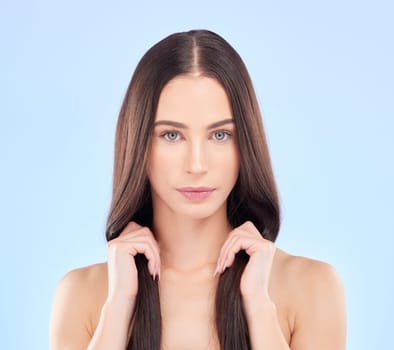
(171, 135)
(221, 135)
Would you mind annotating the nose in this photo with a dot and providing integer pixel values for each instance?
(196, 158)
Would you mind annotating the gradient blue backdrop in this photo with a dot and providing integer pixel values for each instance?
(323, 73)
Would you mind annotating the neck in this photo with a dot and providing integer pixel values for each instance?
(187, 244)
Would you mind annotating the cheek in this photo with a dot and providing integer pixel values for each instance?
(229, 161)
(167, 156)
(162, 160)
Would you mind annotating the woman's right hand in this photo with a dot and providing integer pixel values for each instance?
(122, 271)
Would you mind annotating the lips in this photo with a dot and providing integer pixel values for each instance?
(196, 193)
(195, 189)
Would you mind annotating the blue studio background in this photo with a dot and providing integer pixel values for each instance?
(323, 73)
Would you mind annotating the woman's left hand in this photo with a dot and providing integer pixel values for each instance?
(255, 277)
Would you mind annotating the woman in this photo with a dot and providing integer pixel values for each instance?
(194, 216)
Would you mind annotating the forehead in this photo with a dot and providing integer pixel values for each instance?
(193, 98)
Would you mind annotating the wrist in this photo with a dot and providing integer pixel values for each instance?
(119, 305)
(263, 324)
(113, 328)
(259, 305)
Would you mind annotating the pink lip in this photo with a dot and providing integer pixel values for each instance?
(195, 189)
(196, 193)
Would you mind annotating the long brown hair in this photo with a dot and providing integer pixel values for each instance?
(254, 196)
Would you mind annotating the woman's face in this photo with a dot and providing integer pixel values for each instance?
(193, 145)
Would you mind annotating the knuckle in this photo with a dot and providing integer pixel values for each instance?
(249, 224)
(113, 246)
(236, 235)
(268, 245)
(110, 243)
(233, 233)
(146, 230)
(130, 228)
(271, 245)
(132, 224)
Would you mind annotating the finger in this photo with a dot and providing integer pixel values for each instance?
(155, 246)
(134, 248)
(223, 253)
(133, 225)
(233, 247)
(146, 249)
(141, 237)
(248, 226)
(236, 244)
(247, 230)
(144, 234)
(229, 235)
(228, 243)
(151, 242)
(130, 227)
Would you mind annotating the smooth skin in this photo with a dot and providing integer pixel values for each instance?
(290, 302)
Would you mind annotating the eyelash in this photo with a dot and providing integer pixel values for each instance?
(228, 133)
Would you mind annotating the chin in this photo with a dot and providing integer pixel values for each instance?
(197, 212)
(193, 210)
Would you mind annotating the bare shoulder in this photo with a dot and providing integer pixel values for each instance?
(77, 298)
(86, 273)
(86, 276)
(317, 301)
(304, 277)
(302, 269)
(84, 284)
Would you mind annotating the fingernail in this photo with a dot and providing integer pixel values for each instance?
(154, 276)
(223, 268)
(216, 271)
(214, 274)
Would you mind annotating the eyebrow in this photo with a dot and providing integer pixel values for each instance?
(184, 126)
